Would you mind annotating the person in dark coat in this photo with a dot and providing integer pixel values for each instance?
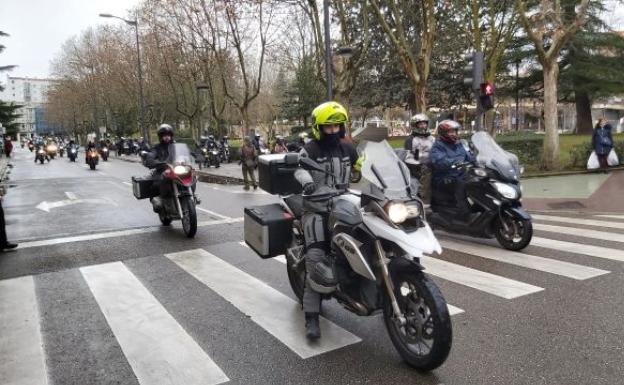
(602, 142)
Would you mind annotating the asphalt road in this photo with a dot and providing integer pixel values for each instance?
(100, 293)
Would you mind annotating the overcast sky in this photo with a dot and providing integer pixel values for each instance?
(38, 28)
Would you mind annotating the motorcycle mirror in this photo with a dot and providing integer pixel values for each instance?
(291, 159)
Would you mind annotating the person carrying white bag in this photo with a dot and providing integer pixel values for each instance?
(602, 142)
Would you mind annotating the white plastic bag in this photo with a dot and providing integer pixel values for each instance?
(613, 160)
(592, 162)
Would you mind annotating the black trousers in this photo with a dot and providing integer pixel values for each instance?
(456, 188)
(3, 236)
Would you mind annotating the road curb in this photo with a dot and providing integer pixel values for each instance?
(572, 172)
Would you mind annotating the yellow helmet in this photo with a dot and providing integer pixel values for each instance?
(328, 113)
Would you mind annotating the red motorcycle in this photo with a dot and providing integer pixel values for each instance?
(180, 179)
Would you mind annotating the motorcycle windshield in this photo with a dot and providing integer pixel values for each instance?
(492, 156)
(383, 168)
(179, 153)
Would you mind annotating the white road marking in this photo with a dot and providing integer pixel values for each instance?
(480, 280)
(71, 195)
(47, 206)
(578, 248)
(553, 266)
(579, 221)
(575, 231)
(114, 234)
(259, 191)
(211, 212)
(453, 310)
(275, 312)
(127, 183)
(157, 348)
(22, 360)
(611, 216)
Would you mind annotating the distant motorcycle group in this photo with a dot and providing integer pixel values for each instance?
(210, 152)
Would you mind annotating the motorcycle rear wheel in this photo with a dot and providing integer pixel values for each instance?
(296, 275)
(189, 216)
(522, 233)
(427, 320)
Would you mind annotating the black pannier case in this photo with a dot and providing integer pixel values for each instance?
(268, 229)
(142, 187)
(277, 177)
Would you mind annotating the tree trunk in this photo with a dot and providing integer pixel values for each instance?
(245, 115)
(550, 157)
(420, 97)
(583, 112)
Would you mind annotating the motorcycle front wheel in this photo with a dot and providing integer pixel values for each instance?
(92, 165)
(424, 342)
(41, 160)
(189, 216)
(515, 234)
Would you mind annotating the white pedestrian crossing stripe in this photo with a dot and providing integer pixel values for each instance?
(578, 248)
(157, 348)
(21, 350)
(578, 221)
(575, 231)
(270, 309)
(476, 279)
(547, 265)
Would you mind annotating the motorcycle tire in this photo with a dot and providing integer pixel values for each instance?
(356, 176)
(189, 216)
(41, 160)
(523, 228)
(92, 165)
(296, 275)
(164, 219)
(427, 316)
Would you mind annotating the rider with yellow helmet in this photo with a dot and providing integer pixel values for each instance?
(336, 157)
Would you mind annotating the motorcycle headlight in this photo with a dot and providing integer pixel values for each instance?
(41, 152)
(105, 150)
(397, 212)
(506, 190)
(181, 170)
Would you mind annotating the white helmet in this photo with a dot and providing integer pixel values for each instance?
(418, 118)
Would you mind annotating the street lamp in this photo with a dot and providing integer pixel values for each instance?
(135, 24)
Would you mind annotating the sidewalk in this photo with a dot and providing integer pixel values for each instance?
(581, 193)
(228, 173)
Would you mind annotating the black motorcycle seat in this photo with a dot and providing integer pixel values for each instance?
(295, 203)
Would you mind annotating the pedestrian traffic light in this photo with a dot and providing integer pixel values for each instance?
(487, 95)
(473, 72)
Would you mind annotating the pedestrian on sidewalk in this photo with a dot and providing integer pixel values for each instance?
(248, 160)
(602, 142)
(8, 146)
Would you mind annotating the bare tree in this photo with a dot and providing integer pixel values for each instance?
(549, 33)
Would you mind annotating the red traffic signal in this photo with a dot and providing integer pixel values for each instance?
(487, 89)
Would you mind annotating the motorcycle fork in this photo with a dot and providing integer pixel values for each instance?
(177, 199)
(381, 255)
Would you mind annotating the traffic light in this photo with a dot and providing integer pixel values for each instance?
(473, 72)
(487, 95)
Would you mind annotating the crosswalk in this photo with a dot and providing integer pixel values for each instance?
(159, 348)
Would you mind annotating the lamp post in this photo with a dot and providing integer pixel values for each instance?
(135, 24)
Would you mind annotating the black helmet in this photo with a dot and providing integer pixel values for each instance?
(210, 137)
(165, 129)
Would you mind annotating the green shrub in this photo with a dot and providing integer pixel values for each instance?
(619, 150)
(579, 155)
(528, 150)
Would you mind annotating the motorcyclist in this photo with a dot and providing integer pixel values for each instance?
(143, 146)
(211, 144)
(419, 151)
(280, 146)
(156, 160)
(337, 157)
(90, 145)
(445, 154)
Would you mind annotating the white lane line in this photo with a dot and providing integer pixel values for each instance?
(578, 248)
(579, 221)
(280, 258)
(611, 216)
(115, 234)
(254, 192)
(553, 266)
(453, 310)
(480, 280)
(575, 231)
(127, 183)
(71, 195)
(211, 212)
(275, 312)
(21, 347)
(157, 348)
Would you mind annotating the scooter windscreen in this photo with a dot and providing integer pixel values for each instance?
(179, 153)
(383, 168)
(491, 155)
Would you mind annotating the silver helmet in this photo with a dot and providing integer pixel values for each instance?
(420, 129)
